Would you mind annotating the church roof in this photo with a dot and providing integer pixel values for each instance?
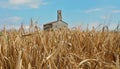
(59, 18)
(55, 22)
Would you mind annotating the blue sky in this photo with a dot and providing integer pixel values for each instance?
(75, 12)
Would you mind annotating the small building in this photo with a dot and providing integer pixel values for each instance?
(56, 24)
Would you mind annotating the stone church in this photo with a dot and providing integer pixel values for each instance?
(56, 24)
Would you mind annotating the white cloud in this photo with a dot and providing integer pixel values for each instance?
(99, 26)
(105, 17)
(18, 2)
(26, 27)
(14, 19)
(21, 3)
(115, 11)
(93, 10)
(89, 25)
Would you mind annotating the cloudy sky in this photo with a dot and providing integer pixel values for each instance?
(75, 12)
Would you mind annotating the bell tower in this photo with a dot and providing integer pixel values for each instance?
(59, 15)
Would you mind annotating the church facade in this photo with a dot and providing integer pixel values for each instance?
(56, 24)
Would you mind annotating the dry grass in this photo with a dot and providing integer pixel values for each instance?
(61, 49)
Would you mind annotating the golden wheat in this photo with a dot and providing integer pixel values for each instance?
(60, 49)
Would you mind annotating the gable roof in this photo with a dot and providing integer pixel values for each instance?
(55, 22)
(59, 18)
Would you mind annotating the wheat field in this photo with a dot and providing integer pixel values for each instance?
(60, 49)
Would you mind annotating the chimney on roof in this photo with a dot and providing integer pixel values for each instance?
(59, 15)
